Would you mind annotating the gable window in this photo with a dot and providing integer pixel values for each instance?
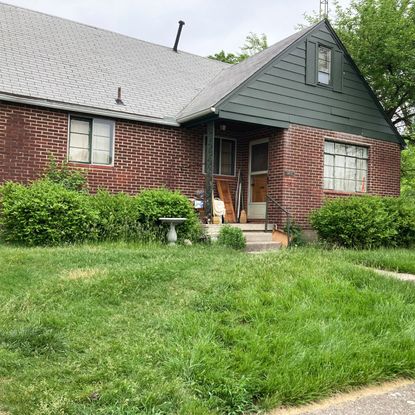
(324, 65)
(224, 156)
(345, 167)
(91, 140)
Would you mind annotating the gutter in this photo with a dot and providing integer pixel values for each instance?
(85, 109)
(211, 110)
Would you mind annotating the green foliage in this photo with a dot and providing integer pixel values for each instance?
(366, 222)
(118, 217)
(226, 57)
(45, 213)
(69, 178)
(254, 43)
(408, 171)
(296, 234)
(231, 237)
(153, 204)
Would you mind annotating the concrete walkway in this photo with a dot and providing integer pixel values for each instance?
(398, 275)
(395, 398)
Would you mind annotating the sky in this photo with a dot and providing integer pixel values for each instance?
(211, 25)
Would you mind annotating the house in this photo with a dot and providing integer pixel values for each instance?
(298, 120)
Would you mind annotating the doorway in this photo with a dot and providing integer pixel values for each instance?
(258, 178)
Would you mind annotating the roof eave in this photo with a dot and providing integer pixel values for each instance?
(85, 109)
(202, 113)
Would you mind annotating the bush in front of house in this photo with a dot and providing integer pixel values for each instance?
(49, 213)
(45, 213)
(231, 237)
(402, 209)
(366, 222)
(117, 217)
(69, 178)
(153, 204)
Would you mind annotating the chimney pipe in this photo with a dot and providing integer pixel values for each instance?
(119, 99)
(179, 32)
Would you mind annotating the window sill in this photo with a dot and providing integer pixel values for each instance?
(90, 165)
(344, 193)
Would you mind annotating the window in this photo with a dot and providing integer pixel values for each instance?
(224, 156)
(324, 65)
(91, 140)
(345, 167)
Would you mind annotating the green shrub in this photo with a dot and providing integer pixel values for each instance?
(296, 234)
(153, 204)
(118, 217)
(366, 222)
(402, 210)
(45, 213)
(231, 237)
(63, 175)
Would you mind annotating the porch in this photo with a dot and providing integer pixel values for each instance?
(242, 163)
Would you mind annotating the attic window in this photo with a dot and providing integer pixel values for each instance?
(324, 65)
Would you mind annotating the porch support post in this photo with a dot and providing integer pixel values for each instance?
(210, 142)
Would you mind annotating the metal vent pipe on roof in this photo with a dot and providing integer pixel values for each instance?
(179, 32)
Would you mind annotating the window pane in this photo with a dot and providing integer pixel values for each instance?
(78, 154)
(101, 143)
(339, 173)
(328, 171)
(79, 126)
(351, 162)
(79, 140)
(323, 78)
(329, 147)
(328, 183)
(340, 148)
(102, 128)
(227, 157)
(101, 157)
(259, 157)
(350, 185)
(328, 160)
(350, 174)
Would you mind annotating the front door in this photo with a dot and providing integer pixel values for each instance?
(258, 178)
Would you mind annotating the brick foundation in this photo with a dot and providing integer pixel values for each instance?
(147, 155)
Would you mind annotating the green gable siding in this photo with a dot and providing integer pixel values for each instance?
(286, 91)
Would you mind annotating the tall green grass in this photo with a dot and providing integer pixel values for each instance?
(130, 329)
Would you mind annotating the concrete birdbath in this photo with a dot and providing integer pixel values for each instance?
(171, 234)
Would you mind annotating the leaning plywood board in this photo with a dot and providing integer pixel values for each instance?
(225, 195)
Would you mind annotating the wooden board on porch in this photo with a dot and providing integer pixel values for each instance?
(225, 195)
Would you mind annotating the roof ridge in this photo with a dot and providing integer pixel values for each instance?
(108, 31)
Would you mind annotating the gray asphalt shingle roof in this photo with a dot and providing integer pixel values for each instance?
(60, 61)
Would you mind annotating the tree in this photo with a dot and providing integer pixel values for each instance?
(254, 43)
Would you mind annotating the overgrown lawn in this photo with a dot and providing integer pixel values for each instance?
(123, 329)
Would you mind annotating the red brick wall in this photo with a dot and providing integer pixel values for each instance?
(147, 155)
(297, 157)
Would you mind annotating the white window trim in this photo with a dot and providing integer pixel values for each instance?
(220, 155)
(112, 122)
(352, 143)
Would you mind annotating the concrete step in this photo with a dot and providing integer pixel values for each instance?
(258, 236)
(245, 227)
(262, 246)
